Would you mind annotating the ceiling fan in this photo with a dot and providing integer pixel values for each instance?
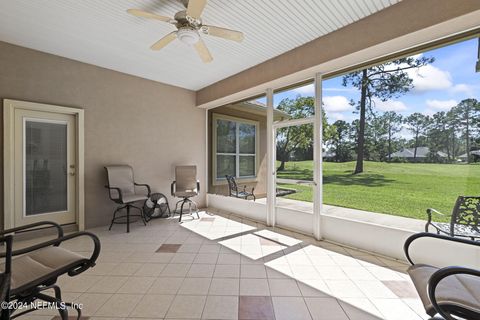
(189, 27)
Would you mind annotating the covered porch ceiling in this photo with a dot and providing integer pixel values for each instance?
(103, 34)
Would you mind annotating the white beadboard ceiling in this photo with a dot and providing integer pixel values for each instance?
(100, 32)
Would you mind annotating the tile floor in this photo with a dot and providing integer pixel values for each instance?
(225, 267)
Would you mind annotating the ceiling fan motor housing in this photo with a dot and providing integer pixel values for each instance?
(188, 35)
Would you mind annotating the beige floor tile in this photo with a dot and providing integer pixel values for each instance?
(344, 289)
(224, 287)
(175, 270)
(125, 269)
(221, 307)
(195, 286)
(91, 302)
(153, 306)
(228, 258)
(183, 258)
(314, 288)
(108, 284)
(198, 270)
(101, 269)
(186, 307)
(360, 308)
(79, 283)
(139, 285)
(284, 288)
(394, 309)
(227, 271)
(119, 305)
(254, 287)
(325, 308)
(253, 271)
(206, 258)
(374, 289)
(290, 308)
(166, 286)
(150, 270)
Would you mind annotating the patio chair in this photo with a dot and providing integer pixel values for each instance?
(35, 269)
(121, 190)
(185, 186)
(464, 220)
(234, 192)
(451, 292)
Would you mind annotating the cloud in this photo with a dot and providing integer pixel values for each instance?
(464, 88)
(443, 105)
(429, 78)
(334, 116)
(389, 105)
(336, 104)
(305, 90)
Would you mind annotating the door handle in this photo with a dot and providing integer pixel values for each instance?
(72, 173)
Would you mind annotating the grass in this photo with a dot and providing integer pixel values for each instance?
(401, 189)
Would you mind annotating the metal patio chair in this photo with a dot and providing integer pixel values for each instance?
(464, 220)
(234, 192)
(121, 190)
(34, 270)
(185, 186)
(451, 292)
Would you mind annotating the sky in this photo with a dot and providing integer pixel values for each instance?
(437, 87)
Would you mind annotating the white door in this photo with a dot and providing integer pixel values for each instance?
(44, 167)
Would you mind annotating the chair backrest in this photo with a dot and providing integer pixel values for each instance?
(120, 176)
(232, 184)
(466, 211)
(186, 178)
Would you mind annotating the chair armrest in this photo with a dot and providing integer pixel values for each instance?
(430, 211)
(8, 252)
(58, 241)
(120, 196)
(144, 185)
(416, 236)
(32, 227)
(172, 188)
(438, 276)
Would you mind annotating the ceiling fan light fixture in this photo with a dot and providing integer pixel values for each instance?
(188, 36)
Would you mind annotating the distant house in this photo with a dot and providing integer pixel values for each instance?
(475, 153)
(422, 154)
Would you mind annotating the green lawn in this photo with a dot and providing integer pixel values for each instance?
(403, 189)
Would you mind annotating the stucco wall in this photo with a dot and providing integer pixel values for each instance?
(146, 124)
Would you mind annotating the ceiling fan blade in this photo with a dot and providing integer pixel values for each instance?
(195, 8)
(144, 14)
(203, 52)
(164, 41)
(223, 33)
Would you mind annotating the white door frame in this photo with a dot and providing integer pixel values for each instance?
(9, 107)
(272, 127)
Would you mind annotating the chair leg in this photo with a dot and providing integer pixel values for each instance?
(62, 311)
(181, 210)
(128, 219)
(144, 220)
(114, 215)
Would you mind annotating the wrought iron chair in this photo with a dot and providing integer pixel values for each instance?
(121, 189)
(185, 186)
(451, 292)
(464, 221)
(35, 269)
(234, 192)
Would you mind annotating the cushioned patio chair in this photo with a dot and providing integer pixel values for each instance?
(36, 269)
(185, 186)
(451, 292)
(121, 190)
(464, 221)
(234, 192)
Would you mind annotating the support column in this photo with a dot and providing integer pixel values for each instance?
(271, 192)
(318, 159)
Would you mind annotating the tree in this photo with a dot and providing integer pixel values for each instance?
(393, 125)
(292, 138)
(384, 82)
(417, 124)
(341, 130)
(468, 111)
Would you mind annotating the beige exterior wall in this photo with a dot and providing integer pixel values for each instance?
(393, 22)
(260, 183)
(149, 125)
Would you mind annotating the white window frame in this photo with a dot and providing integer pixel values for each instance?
(219, 181)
